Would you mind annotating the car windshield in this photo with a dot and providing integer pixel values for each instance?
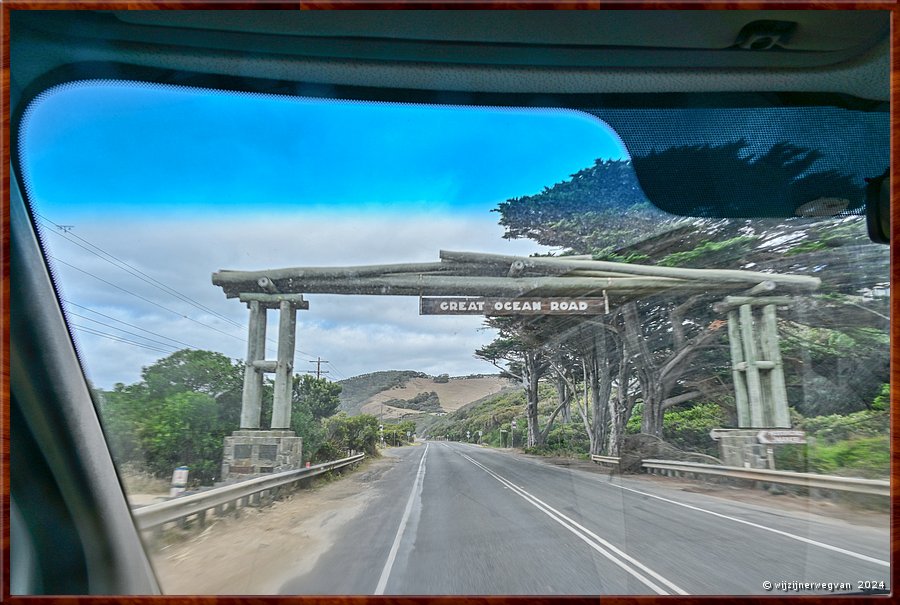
(500, 367)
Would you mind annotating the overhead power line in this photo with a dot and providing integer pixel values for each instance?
(65, 232)
(145, 299)
(106, 325)
(337, 371)
(114, 260)
(118, 339)
(135, 272)
(125, 323)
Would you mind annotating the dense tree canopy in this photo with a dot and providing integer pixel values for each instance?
(674, 347)
(320, 396)
(186, 403)
(598, 207)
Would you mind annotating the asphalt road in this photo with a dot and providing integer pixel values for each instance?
(454, 518)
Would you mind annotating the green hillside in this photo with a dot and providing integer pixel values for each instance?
(355, 391)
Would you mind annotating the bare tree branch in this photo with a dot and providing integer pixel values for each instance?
(672, 401)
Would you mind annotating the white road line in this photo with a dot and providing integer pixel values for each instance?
(844, 551)
(584, 534)
(810, 541)
(416, 489)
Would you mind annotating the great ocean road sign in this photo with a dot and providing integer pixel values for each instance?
(429, 305)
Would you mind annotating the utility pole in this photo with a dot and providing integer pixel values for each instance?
(319, 371)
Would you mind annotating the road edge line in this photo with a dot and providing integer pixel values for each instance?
(580, 532)
(780, 532)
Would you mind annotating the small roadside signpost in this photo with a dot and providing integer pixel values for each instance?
(770, 438)
(179, 481)
(776, 437)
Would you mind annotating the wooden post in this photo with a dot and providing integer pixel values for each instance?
(754, 390)
(287, 329)
(740, 381)
(251, 402)
(780, 416)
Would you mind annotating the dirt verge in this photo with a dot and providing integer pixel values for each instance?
(249, 554)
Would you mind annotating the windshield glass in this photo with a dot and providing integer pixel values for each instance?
(555, 387)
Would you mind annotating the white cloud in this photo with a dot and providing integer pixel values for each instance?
(357, 333)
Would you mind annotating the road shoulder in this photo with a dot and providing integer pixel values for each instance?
(257, 552)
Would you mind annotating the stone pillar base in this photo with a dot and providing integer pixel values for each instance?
(740, 447)
(254, 452)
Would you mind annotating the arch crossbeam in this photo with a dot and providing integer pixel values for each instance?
(478, 274)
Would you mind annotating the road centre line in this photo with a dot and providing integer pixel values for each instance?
(416, 489)
(844, 551)
(585, 535)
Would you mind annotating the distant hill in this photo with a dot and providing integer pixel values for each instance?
(357, 390)
(393, 393)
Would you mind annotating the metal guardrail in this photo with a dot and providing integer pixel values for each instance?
(874, 487)
(177, 509)
(810, 480)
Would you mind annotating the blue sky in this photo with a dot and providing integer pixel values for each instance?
(101, 147)
(179, 183)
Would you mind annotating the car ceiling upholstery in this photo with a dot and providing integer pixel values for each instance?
(473, 51)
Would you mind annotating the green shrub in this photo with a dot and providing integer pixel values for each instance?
(633, 426)
(687, 257)
(688, 429)
(567, 439)
(421, 402)
(863, 457)
(869, 456)
(836, 427)
(882, 401)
